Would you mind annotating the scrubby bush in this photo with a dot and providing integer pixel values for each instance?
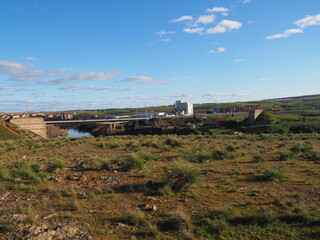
(56, 164)
(173, 141)
(182, 177)
(258, 158)
(95, 164)
(283, 156)
(219, 154)
(273, 174)
(312, 156)
(132, 161)
(196, 154)
(301, 147)
(27, 172)
(4, 228)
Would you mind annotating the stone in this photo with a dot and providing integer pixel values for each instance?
(5, 195)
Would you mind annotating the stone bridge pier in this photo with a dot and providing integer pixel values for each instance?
(36, 125)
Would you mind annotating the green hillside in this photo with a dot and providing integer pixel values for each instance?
(5, 133)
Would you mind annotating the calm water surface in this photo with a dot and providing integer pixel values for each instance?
(75, 133)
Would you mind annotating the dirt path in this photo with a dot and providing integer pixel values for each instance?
(9, 129)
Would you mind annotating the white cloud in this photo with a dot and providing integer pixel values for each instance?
(5, 88)
(302, 23)
(12, 67)
(165, 40)
(218, 9)
(71, 88)
(205, 19)
(174, 96)
(141, 80)
(82, 76)
(183, 18)
(219, 50)
(30, 58)
(245, 1)
(22, 72)
(264, 79)
(224, 26)
(227, 96)
(308, 21)
(161, 33)
(238, 60)
(193, 30)
(284, 34)
(26, 76)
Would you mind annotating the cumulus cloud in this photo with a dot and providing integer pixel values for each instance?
(161, 33)
(302, 23)
(219, 50)
(141, 80)
(218, 9)
(205, 19)
(284, 34)
(82, 76)
(193, 30)
(224, 26)
(183, 18)
(308, 21)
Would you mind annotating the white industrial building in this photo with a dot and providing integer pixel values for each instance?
(183, 108)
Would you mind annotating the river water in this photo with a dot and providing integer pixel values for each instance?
(76, 133)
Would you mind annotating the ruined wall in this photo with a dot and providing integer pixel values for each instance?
(36, 125)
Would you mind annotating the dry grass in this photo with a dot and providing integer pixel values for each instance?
(83, 192)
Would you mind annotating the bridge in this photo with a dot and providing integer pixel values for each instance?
(101, 121)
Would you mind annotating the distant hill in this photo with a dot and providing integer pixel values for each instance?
(293, 103)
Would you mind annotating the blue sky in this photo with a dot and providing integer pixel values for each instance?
(96, 54)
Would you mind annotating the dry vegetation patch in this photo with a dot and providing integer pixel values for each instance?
(163, 187)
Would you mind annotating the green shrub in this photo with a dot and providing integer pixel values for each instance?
(274, 174)
(57, 164)
(182, 177)
(147, 156)
(27, 172)
(219, 154)
(312, 156)
(4, 228)
(301, 147)
(132, 161)
(258, 158)
(196, 154)
(230, 148)
(173, 142)
(283, 156)
(4, 174)
(95, 164)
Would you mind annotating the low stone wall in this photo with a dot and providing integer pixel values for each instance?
(36, 125)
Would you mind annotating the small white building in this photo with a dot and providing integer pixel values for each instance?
(184, 108)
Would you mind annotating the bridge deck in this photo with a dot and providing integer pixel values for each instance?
(110, 121)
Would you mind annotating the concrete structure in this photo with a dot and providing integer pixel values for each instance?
(36, 125)
(184, 108)
(253, 114)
